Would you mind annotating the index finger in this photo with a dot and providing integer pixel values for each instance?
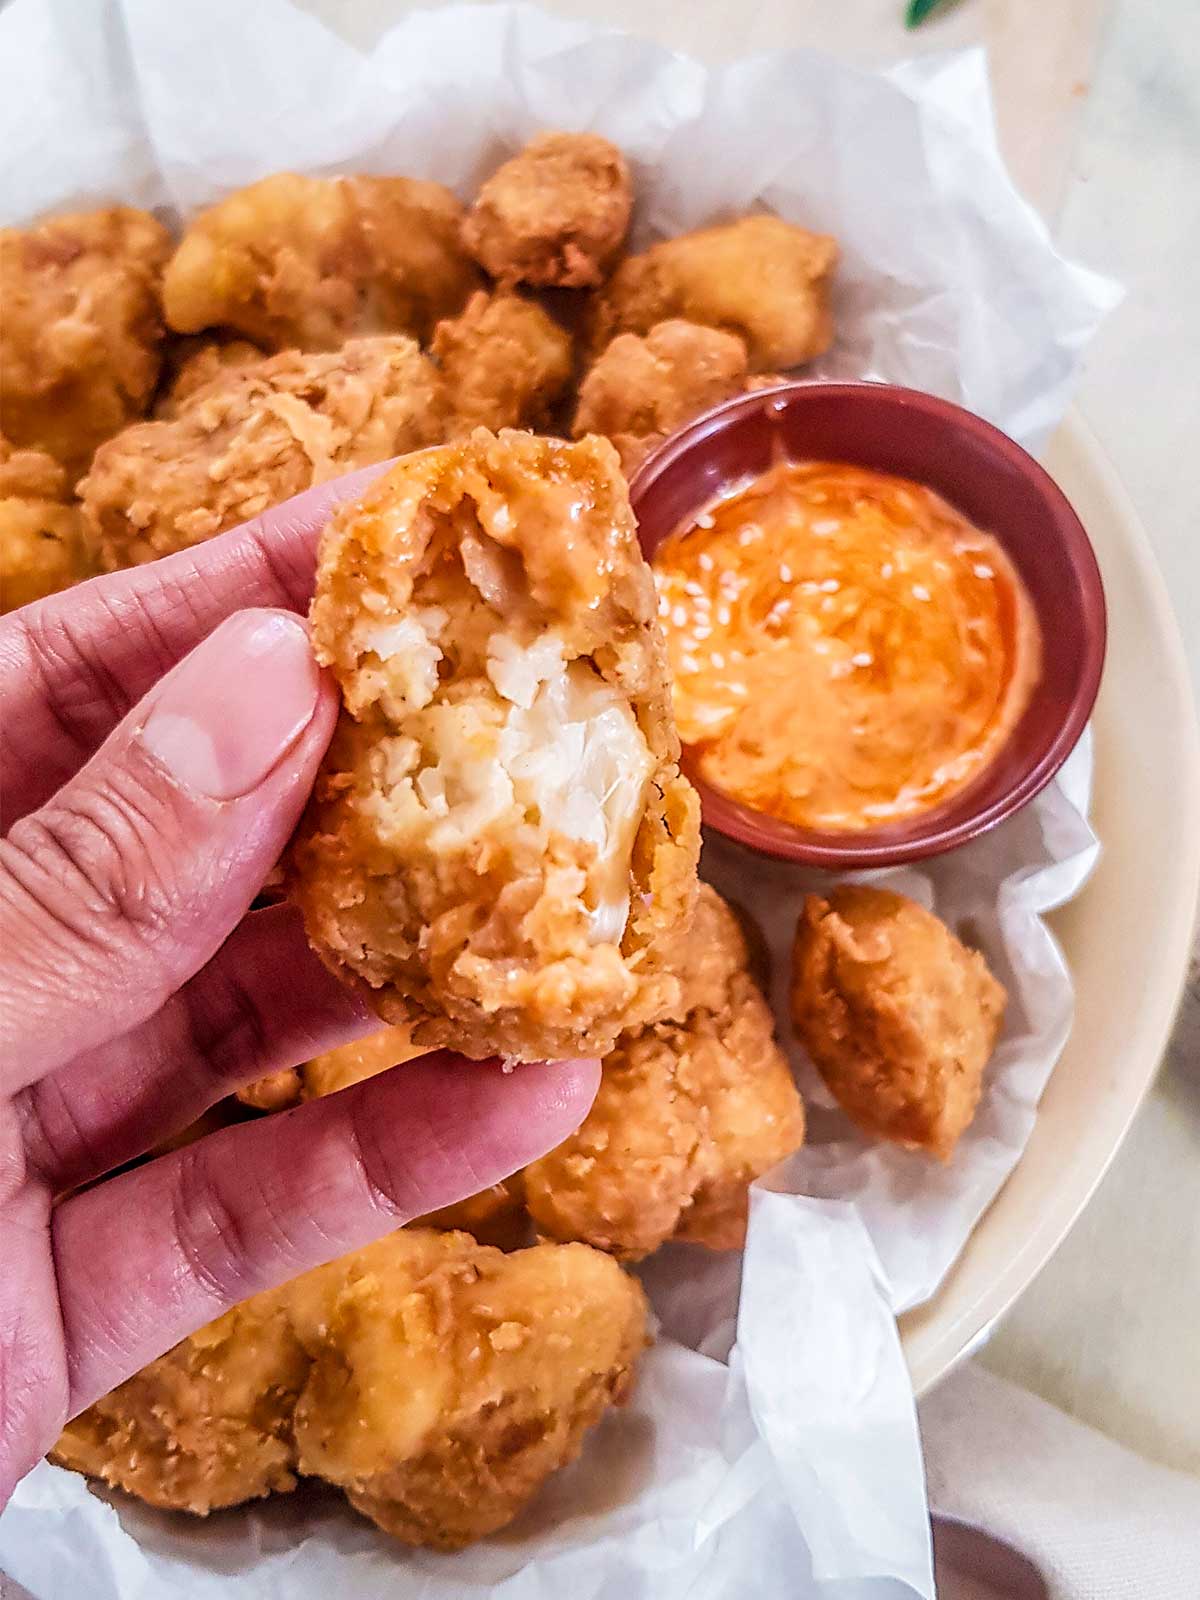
(72, 665)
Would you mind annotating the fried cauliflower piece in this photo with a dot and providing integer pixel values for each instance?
(556, 214)
(193, 362)
(205, 1426)
(690, 1111)
(41, 530)
(500, 841)
(761, 278)
(80, 329)
(438, 1382)
(641, 389)
(311, 262)
(255, 437)
(504, 364)
(450, 1380)
(898, 1015)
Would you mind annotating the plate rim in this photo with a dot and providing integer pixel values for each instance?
(975, 1295)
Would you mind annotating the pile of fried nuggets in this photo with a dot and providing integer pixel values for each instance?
(500, 849)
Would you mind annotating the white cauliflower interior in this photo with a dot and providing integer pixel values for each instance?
(538, 743)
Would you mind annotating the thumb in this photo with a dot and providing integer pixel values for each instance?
(129, 879)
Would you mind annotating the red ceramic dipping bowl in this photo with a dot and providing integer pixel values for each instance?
(988, 478)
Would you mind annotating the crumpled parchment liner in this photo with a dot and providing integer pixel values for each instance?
(791, 1468)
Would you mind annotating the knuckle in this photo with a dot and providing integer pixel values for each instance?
(391, 1176)
(210, 1228)
(93, 861)
(227, 1028)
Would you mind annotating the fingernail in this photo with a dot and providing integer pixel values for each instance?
(225, 716)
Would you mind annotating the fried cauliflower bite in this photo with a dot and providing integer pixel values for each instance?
(191, 363)
(311, 262)
(504, 364)
(500, 842)
(41, 530)
(205, 1426)
(641, 389)
(80, 331)
(436, 1381)
(690, 1111)
(252, 438)
(898, 1015)
(450, 1380)
(555, 215)
(761, 278)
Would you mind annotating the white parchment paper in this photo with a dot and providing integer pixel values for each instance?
(786, 1465)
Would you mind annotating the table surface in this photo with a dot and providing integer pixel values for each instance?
(1098, 106)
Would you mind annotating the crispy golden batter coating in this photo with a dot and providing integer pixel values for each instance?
(192, 362)
(449, 1380)
(439, 1383)
(640, 389)
(255, 437)
(80, 329)
(504, 363)
(690, 1111)
(556, 214)
(351, 1063)
(500, 840)
(207, 1425)
(760, 277)
(310, 262)
(42, 548)
(899, 1016)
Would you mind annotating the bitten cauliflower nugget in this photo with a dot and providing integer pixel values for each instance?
(899, 1016)
(690, 1111)
(555, 215)
(41, 530)
(310, 262)
(252, 436)
(761, 278)
(640, 390)
(80, 331)
(500, 841)
(438, 1382)
(504, 364)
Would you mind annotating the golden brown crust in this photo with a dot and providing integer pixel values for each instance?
(898, 1015)
(42, 548)
(761, 278)
(450, 1380)
(556, 214)
(207, 1425)
(193, 361)
(310, 262)
(254, 437)
(80, 330)
(438, 1382)
(640, 389)
(504, 364)
(690, 1111)
(499, 840)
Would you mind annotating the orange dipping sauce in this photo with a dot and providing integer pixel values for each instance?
(847, 650)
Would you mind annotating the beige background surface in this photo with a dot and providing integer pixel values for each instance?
(1098, 103)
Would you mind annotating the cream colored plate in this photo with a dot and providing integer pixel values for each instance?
(1127, 936)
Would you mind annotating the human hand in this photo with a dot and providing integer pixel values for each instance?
(158, 743)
